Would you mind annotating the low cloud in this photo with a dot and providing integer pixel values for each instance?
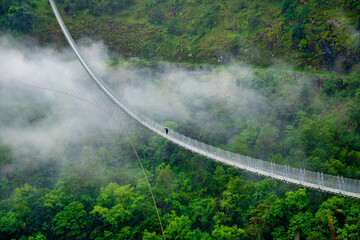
(169, 94)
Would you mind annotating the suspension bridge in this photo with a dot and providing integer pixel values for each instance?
(107, 100)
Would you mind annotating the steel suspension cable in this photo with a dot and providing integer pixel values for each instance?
(302, 177)
(157, 211)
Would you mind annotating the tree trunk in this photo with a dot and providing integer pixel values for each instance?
(331, 226)
(297, 235)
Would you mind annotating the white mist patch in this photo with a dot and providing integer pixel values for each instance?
(178, 94)
(168, 94)
(39, 124)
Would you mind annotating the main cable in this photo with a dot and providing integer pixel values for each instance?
(157, 211)
(304, 178)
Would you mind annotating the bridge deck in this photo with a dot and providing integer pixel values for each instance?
(302, 177)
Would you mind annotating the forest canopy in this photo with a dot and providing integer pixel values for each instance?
(67, 171)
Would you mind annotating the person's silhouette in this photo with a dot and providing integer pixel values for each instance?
(166, 130)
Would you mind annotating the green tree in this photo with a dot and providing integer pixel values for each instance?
(114, 209)
(354, 110)
(114, 216)
(356, 44)
(72, 222)
(151, 236)
(297, 33)
(179, 228)
(114, 194)
(165, 184)
(173, 26)
(327, 218)
(235, 198)
(228, 233)
(156, 16)
(258, 217)
(5, 155)
(22, 216)
(202, 211)
(20, 18)
(38, 236)
(288, 8)
(245, 141)
(267, 140)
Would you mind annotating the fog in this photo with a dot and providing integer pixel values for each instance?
(45, 123)
(40, 125)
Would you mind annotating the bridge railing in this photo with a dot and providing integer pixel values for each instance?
(302, 177)
(316, 180)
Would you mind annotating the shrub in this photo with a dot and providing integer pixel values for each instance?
(297, 33)
(156, 16)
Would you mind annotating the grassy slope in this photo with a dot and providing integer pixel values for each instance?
(257, 32)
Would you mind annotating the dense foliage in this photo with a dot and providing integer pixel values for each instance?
(95, 190)
(17, 15)
(309, 34)
(96, 7)
(102, 194)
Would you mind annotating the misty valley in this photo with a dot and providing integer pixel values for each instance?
(272, 80)
(68, 171)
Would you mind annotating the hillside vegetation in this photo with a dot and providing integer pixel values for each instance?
(94, 190)
(313, 34)
(84, 183)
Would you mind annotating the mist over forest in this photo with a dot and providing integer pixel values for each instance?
(275, 80)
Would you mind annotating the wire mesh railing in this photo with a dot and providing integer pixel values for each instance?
(106, 98)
